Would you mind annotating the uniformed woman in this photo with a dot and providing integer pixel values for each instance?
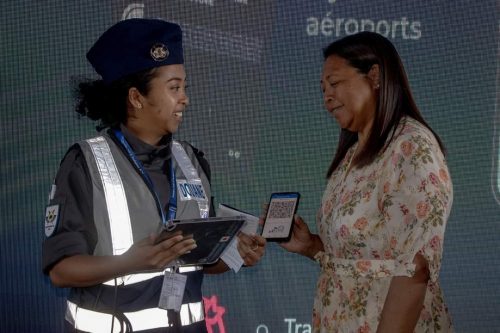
(113, 191)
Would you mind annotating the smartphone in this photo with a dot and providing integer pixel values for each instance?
(278, 225)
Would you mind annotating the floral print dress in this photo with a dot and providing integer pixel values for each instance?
(373, 221)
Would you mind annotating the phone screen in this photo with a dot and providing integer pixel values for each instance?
(278, 224)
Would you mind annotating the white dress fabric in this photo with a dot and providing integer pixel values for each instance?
(373, 221)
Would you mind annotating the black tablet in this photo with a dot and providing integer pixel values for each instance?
(212, 236)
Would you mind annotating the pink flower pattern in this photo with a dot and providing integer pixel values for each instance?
(361, 223)
(373, 221)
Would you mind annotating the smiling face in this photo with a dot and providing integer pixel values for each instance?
(349, 95)
(160, 111)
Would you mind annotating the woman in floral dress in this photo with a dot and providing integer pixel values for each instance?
(383, 214)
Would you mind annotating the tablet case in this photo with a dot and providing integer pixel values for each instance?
(212, 236)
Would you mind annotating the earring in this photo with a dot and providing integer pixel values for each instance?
(139, 106)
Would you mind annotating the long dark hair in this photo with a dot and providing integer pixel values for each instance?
(395, 99)
(107, 103)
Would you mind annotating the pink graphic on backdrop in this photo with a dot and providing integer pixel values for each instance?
(213, 315)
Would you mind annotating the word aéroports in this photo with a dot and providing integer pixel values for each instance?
(337, 27)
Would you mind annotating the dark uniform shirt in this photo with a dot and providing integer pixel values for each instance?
(76, 232)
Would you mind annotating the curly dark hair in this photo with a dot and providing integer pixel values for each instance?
(107, 103)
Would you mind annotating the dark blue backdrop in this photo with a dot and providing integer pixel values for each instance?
(256, 111)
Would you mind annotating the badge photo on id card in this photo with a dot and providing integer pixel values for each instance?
(278, 225)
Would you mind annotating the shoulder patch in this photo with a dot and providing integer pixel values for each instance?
(51, 219)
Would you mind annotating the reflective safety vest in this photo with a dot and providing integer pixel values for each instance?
(93, 321)
(125, 212)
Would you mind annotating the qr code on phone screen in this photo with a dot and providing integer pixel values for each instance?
(281, 209)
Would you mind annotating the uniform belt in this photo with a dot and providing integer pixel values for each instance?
(94, 321)
(135, 278)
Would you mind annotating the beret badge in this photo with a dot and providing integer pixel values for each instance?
(159, 52)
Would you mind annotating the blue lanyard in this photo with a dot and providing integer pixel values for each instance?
(172, 203)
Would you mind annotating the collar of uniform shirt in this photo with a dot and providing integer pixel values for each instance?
(146, 153)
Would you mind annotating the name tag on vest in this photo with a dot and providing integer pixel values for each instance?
(191, 190)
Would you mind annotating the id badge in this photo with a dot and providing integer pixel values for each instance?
(172, 291)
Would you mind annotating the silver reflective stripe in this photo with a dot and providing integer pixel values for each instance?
(93, 321)
(185, 269)
(184, 162)
(139, 277)
(133, 278)
(116, 201)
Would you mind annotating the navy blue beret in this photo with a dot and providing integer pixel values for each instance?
(134, 45)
